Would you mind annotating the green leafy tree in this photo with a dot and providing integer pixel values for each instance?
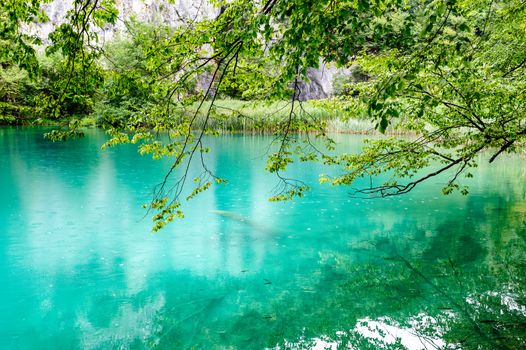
(17, 93)
(138, 75)
(64, 95)
(460, 88)
(18, 62)
(17, 47)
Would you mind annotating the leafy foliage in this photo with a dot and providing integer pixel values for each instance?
(451, 89)
(16, 93)
(132, 85)
(65, 95)
(16, 47)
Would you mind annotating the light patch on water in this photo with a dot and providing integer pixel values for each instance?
(311, 344)
(506, 299)
(511, 302)
(382, 331)
(389, 332)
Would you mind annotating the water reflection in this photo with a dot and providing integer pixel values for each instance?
(83, 270)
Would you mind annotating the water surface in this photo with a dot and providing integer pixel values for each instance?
(80, 268)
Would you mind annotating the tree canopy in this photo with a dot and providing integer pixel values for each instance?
(449, 71)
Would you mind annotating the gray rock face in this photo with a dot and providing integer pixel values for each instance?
(319, 84)
(173, 13)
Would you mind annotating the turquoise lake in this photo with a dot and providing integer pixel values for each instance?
(80, 268)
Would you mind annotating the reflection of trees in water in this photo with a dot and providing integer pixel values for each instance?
(465, 270)
(468, 277)
(477, 297)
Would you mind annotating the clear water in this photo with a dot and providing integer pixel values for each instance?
(79, 267)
